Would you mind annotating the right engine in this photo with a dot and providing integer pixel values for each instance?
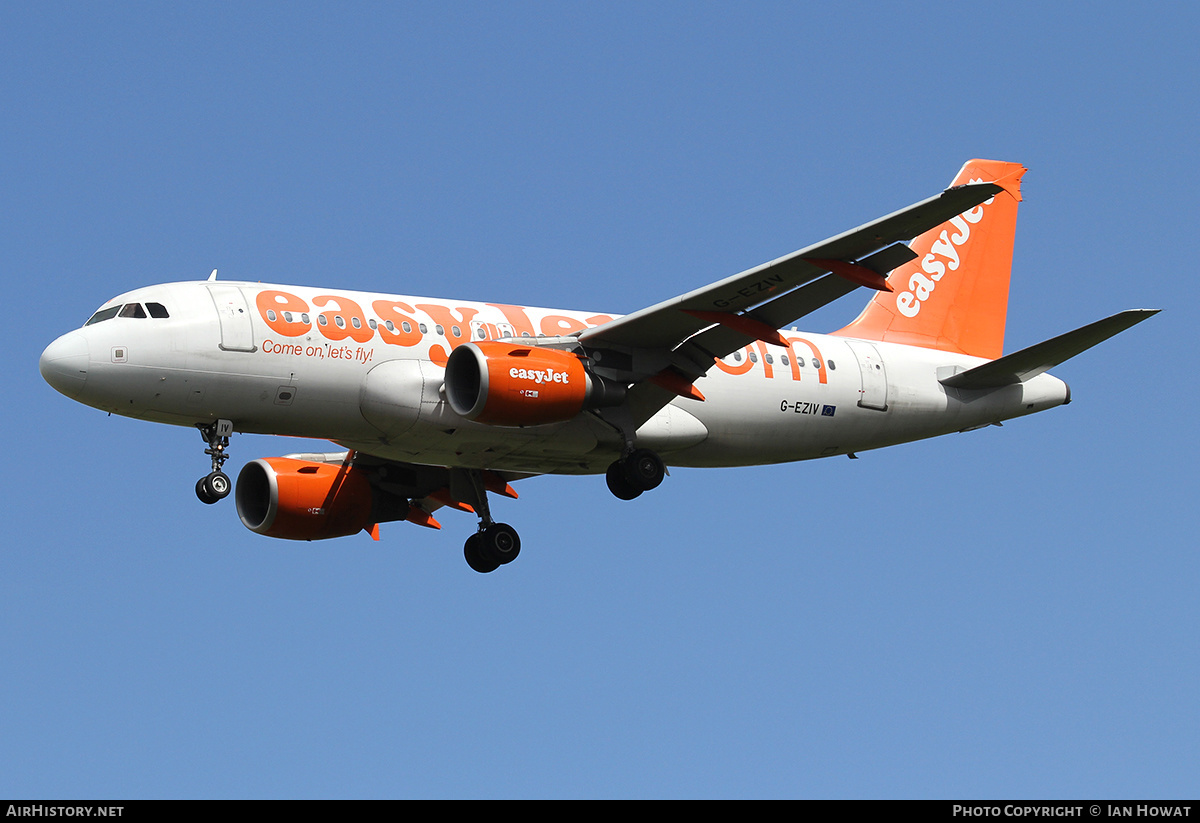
(302, 500)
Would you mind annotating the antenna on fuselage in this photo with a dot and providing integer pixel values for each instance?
(212, 276)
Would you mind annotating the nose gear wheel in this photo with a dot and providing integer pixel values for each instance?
(216, 484)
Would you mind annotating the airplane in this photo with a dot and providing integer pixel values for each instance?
(436, 403)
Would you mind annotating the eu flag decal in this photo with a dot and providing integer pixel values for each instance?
(827, 411)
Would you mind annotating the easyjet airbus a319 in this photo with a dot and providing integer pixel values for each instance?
(438, 402)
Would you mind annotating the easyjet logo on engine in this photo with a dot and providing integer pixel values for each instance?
(539, 376)
(943, 255)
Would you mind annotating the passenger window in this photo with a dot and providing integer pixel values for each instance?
(783, 359)
(157, 310)
(816, 364)
(737, 357)
(132, 310)
(753, 357)
(829, 363)
(800, 361)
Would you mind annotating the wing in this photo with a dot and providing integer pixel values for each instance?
(428, 487)
(769, 289)
(663, 349)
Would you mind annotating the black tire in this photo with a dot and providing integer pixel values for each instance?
(618, 484)
(500, 542)
(475, 558)
(643, 469)
(202, 492)
(217, 485)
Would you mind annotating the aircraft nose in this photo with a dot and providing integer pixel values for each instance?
(64, 363)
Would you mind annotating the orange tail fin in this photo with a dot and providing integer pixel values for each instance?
(954, 295)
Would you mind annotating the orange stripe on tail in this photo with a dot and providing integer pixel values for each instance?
(954, 295)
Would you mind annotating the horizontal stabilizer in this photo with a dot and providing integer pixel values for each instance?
(1028, 363)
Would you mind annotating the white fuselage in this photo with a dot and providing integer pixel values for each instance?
(365, 370)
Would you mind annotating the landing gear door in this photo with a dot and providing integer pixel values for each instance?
(874, 375)
(236, 331)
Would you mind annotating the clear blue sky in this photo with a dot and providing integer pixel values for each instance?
(1010, 612)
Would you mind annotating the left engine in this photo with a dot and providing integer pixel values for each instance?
(505, 384)
(301, 500)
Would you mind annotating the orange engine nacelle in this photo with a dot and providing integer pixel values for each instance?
(300, 500)
(507, 384)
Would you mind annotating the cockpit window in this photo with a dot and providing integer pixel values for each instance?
(135, 310)
(103, 314)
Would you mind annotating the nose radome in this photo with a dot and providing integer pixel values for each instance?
(64, 363)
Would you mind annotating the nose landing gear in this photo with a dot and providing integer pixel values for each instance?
(216, 484)
(213, 487)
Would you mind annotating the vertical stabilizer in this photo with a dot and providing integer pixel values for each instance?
(954, 295)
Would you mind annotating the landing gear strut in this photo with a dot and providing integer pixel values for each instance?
(216, 484)
(495, 544)
(640, 470)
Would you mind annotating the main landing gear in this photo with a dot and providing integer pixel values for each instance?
(639, 470)
(216, 484)
(491, 547)
(495, 544)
